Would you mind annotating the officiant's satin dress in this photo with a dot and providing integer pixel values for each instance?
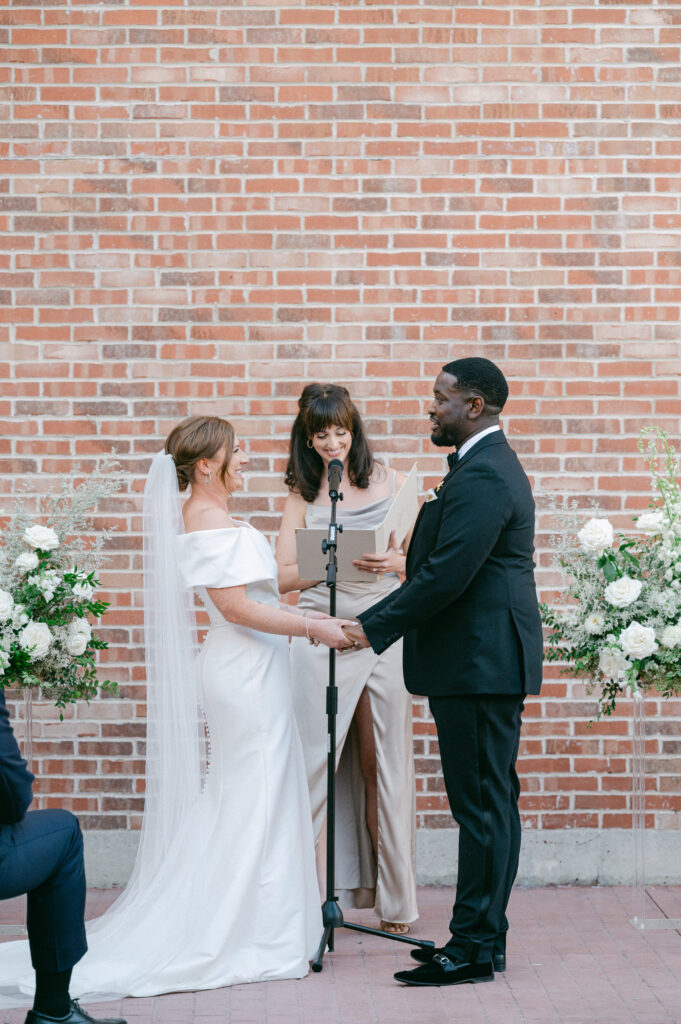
(389, 884)
(237, 899)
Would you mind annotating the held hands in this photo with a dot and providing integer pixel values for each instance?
(328, 631)
(356, 635)
(391, 560)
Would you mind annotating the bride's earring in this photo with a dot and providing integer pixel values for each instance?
(208, 476)
(309, 443)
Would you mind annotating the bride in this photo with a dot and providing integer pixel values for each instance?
(224, 887)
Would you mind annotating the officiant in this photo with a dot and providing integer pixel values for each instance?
(375, 836)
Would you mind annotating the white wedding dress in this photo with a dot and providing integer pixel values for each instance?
(234, 897)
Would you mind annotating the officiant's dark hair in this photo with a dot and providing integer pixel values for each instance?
(199, 437)
(482, 377)
(321, 406)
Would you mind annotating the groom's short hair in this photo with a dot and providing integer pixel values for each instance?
(480, 377)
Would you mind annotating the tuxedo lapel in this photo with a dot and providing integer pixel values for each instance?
(498, 437)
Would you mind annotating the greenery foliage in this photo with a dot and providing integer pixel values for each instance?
(48, 592)
(619, 625)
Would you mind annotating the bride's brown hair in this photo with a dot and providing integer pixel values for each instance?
(199, 437)
(321, 406)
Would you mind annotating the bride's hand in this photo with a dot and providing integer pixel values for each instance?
(330, 632)
(312, 614)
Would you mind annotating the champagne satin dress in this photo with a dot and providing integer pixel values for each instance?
(387, 882)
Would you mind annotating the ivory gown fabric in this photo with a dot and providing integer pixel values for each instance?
(237, 900)
(390, 885)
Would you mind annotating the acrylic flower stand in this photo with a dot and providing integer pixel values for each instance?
(641, 898)
(28, 727)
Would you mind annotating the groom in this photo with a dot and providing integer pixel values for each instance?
(473, 645)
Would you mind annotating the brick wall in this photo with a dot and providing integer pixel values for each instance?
(203, 206)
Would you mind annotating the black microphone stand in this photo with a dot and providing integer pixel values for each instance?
(332, 915)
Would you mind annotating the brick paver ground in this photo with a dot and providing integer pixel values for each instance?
(573, 958)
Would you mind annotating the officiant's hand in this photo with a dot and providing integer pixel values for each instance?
(391, 560)
(356, 636)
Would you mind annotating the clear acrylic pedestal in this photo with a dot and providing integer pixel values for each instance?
(642, 900)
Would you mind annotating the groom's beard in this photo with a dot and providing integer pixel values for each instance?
(442, 438)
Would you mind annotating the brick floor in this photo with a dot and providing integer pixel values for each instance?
(574, 958)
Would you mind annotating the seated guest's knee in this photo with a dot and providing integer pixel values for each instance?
(70, 821)
(65, 828)
(60, 820)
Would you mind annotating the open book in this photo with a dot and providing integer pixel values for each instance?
(353, 544)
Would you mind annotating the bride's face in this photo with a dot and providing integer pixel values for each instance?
(234, 480)
(333, 443)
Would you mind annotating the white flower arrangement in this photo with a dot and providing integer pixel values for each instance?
(48, 593)
(621, 627)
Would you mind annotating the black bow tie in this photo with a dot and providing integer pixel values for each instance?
(452, 459)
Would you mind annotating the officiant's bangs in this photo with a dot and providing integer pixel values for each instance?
(327, 406)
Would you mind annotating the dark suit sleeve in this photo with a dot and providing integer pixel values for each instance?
(474, 513)
(15, 779)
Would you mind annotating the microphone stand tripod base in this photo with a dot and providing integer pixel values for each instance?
(332, 918)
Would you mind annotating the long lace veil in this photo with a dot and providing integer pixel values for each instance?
(176, 747)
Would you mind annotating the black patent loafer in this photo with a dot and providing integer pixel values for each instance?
(441, 970)
(423, 955)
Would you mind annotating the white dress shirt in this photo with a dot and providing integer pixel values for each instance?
(467, 445)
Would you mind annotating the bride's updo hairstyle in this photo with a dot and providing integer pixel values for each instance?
(321, 406)
(199, 437)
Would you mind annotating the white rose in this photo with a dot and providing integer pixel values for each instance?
(78, 636)
(79, 625)
(622, 592)
(76, 643)
(36, 635)
(41, 537)
(671, 636)
(4, 661)
(594, 623)
(19, 616)
(6, 606)
(612, 663)
(27, 561)
(83, 590)
(596, 535)
(650, 522)
(638, 641)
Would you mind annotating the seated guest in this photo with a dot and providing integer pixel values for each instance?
(41, 854)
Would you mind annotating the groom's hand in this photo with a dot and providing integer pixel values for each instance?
(355, 633)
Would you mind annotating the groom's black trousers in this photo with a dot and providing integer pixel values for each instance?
(42, 855)
(479, 737)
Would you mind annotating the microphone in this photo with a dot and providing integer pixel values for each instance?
(335, 475)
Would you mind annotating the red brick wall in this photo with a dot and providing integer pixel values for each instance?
(203, 207)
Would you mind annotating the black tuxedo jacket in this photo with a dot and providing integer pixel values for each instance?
(15, 779)
(468, 610)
